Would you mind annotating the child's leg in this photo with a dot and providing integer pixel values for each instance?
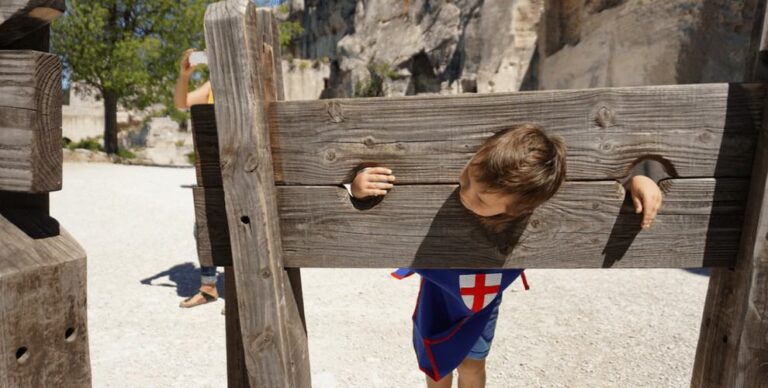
(445, 382)
(472, 369)
(472, 373)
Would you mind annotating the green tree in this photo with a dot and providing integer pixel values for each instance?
(127, 52)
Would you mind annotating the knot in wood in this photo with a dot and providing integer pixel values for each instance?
(263, 340)
(335, 112)
(251, 164)
(369, 142)
(265, 273)
(604, 117)
(330, 155)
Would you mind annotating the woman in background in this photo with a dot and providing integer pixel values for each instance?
(183, 99)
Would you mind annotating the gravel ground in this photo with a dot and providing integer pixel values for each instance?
(574, 328)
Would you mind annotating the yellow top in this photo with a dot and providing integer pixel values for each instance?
(210, 96)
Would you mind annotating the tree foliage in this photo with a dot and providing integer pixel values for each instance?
(127, 50)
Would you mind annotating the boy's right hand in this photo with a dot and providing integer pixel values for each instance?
(374, 181)
(185, 68)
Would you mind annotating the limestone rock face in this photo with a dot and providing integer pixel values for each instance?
(507, 39)
(421, 46)
(592, 43)
(439, 46)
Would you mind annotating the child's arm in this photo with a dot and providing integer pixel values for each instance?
(645, 192)
(372, 181)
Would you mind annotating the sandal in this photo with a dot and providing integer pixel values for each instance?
(201, 297)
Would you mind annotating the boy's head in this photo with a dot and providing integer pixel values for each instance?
(514, 171)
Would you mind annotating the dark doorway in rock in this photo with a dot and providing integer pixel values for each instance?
(423, 78)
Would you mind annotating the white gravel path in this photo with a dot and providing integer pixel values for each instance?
(575, 328)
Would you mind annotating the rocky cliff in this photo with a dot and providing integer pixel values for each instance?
(403, 47)
(419, 46)
(591, 43)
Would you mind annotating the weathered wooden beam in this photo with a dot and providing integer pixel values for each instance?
(236, 369)
(241, 41)
(30, 122)
(206, 142)
(733, 345)
(21, 17)
(213, 245)
(43, 326)
(702, 130)
(699, 226)
(581, 227)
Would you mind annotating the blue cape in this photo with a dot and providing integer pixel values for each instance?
(452, 309)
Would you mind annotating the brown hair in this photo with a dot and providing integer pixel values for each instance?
(522, 160)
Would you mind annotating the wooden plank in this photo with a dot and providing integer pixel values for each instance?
(733, 346)
(30, 122)
(236, 370)
(38, 40)
(702, 130)
(239, 37)
(10, 200)
(43, 325)
(21, 17)
(206, 145)
(322, 228)
(583, 226)
(756, 60)
(213, 245)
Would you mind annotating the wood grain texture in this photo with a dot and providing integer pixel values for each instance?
(43, 304)
(237, 376)
(30, 122)
(240, 41)
(733, 347)
(733, 340)
(21, 17)
(581, 227)
(206, 143)
(702, 130)
(213, 245)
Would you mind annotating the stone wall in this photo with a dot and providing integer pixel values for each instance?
(304, 79)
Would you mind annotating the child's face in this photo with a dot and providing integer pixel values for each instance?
(476, 197)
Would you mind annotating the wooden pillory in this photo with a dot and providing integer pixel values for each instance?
(43, 328)
(278, 166)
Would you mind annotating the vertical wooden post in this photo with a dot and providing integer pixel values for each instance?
(236, 369)
(244, 74)
(733, 342)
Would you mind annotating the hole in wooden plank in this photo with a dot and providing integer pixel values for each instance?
(22, 355)
(245, 220)
(70, 334)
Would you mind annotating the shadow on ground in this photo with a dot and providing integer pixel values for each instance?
(699, 271)
(185, 278)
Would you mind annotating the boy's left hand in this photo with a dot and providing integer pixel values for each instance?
(646, 196)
